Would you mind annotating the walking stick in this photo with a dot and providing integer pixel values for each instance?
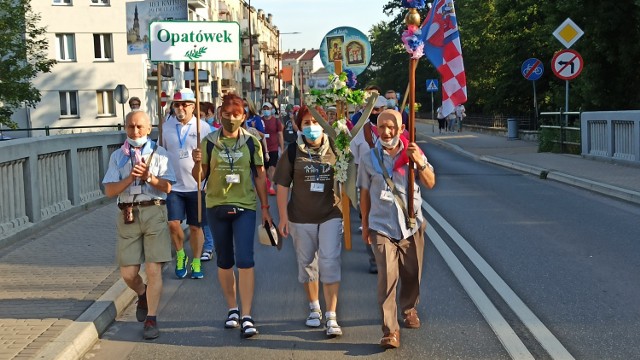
(197, 111)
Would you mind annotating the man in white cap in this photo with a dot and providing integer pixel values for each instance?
(275, 142)
(398, 245)
(179, 137)
(360, 144)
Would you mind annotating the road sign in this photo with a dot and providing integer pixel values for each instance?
(532, 69)
(121, 94)
(567, 64)
(194, 41)
(568, 33)
(163, 99)
(432, 85)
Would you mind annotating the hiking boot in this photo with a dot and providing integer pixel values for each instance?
(411, 319)
(141, 309)
(181, 266)
(151, 330)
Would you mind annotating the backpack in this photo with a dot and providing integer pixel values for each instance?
(252, 150)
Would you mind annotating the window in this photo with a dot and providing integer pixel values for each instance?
(106, 106)
(66, 47)
(99, 2)
(68, 103)
(61, 2)
(102, 46)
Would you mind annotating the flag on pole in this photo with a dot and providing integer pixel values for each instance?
(442, 47)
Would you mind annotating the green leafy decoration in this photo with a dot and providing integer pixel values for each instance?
(196, 53)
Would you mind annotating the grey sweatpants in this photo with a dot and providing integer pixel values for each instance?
(318, 248)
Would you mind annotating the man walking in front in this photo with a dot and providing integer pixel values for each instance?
(179, 136)
(140, 175)
(398, 245)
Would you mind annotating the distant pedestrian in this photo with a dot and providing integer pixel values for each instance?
(451, 122)
(308, 168)
(135, 103)
(442, 120)
(232, 158)
(179, 136)
(290, 130)
(460, 115)
(397, 244)
(140, 174)
(275, 142)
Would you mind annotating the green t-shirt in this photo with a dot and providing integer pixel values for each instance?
(229, 158)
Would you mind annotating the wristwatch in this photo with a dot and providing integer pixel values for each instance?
(426, 164)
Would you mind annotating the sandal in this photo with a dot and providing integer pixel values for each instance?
(248, 327)
(232, 319)
(333, 329)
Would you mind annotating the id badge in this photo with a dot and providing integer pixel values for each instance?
(290, 132)
(183, 154)
(135, 190)
(317, 187)
(266, 136)
(233, 178)
(386, 195)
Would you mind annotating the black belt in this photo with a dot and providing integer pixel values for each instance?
(142, 203)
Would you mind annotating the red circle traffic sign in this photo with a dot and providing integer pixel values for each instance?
(567, 64)
(163, 99)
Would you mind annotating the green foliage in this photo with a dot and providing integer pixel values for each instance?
(196, 53)
(497, 36)
(23, 54)
(549, 140)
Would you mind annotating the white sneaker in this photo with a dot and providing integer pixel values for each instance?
(313, 320)
(333, 329)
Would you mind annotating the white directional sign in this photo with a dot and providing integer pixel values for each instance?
(567, 64)
(192, 41)
(568, 33)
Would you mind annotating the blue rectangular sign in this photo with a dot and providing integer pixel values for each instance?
(432, 85)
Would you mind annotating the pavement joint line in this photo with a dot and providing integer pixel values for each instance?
(543, 335)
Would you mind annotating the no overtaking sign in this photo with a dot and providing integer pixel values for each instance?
(192, 41)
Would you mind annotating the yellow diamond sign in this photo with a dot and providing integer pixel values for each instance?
(568, 33)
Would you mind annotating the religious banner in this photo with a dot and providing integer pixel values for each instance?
(348, 45)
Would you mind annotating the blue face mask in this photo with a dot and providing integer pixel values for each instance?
(312, 132)
(137, 142)
(266, 113)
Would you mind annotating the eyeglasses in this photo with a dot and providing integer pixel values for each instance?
(135, 104)
(177, 105)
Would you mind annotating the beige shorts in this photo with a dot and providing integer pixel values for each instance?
(146, 240)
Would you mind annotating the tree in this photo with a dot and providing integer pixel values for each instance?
(23, 54)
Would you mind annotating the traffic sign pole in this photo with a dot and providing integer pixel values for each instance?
(433, 126)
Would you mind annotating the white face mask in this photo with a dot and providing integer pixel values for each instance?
(137, 142)
(391, 143)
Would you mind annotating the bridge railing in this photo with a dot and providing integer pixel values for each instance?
(613, 135)
(45, 176)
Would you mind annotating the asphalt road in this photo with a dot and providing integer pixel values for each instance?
(515, 267)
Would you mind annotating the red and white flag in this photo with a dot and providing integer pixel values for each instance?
(442, 47)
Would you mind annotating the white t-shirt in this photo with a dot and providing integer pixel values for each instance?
(359, 144)
(180, 140)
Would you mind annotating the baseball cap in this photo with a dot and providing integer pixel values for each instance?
(380, 102)
(184, 95)
(267, 104)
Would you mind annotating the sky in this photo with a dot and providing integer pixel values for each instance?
(315, 18)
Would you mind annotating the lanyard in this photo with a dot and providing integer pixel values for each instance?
(184, 138)
(235, 148)
(135, 179)
(390, 170)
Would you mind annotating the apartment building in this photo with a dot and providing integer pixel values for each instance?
(88, 38)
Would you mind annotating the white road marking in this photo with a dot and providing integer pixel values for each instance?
(548, 341)
(504, 332)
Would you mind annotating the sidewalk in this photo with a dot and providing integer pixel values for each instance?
(615, 180)
(60, 289)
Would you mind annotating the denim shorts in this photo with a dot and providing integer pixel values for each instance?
(181, 204)
(233, 236)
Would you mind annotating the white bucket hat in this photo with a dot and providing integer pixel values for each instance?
(268, 235)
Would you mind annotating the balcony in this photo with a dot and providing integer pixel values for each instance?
(197, 4)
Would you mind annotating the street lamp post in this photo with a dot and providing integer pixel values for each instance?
(280, 59)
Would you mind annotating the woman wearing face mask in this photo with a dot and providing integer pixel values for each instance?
(231, 157)
(316, 230)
